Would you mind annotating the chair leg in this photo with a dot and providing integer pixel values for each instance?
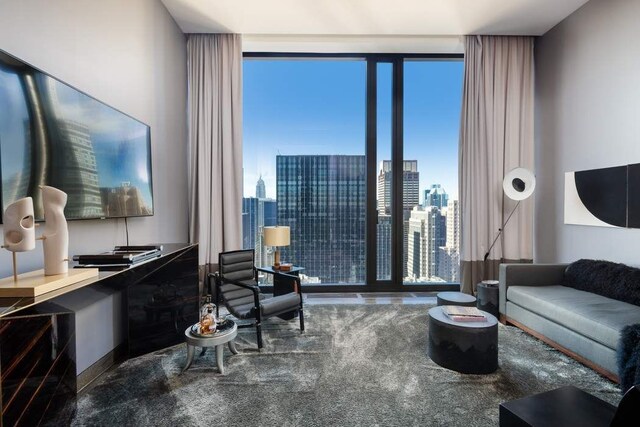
(259, 334)
(301, 315)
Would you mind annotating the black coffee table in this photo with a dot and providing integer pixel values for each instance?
(466, 347)
(562, 407)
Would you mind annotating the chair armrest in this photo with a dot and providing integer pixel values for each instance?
(254, 288)
(528, 275)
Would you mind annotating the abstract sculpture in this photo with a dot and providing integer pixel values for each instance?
(19, 229)
(55, 238)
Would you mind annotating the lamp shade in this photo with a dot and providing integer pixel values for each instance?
(277, 236)
(519, 184)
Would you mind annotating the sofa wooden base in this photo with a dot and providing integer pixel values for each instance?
(604, 372)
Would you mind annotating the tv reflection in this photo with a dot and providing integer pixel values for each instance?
(73, 142)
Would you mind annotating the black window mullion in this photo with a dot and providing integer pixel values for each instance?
(397, 235)
(371, 238)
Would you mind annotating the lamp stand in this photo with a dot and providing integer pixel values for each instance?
(276, 259)
(498, 236)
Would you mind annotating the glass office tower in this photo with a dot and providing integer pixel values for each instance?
(323, 199)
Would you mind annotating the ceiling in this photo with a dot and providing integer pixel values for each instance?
(385, 18)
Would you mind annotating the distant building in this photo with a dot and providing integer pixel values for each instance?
(410, 183)
(427, 233)
(323, 199)
(435, 196)
(261, 192)
(449, 264)
(453, 224)
(257, 214)
(383, 269)
(449, 257)
(410, 195)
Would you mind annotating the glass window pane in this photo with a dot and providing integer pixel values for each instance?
(383, 133)
(432, 103)
(304, 164)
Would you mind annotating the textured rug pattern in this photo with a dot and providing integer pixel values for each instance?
(359, 365)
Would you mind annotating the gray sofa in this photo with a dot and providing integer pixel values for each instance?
(582, 324)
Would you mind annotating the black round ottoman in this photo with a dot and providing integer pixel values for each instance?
(487, 293)
(456, 298)
(466, 347)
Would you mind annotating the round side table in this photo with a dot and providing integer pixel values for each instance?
(467, 347)
(488, 296)
(456, 298)
(217, 340)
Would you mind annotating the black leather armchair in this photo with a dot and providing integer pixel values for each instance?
(237, 287)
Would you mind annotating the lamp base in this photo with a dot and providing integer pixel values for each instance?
(276, 260)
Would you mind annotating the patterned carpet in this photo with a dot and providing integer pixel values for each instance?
(356, 365)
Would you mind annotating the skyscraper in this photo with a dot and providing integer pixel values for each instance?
(453, 224)
(410, 197)
(426, 235)
(410, 182)
(449, 257)
(261, 192)
(383, 263)
(435, 196)
(323, 199)
(257, 214)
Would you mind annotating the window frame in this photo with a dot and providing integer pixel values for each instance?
(372, 284)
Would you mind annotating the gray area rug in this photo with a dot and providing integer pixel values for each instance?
(356, 365)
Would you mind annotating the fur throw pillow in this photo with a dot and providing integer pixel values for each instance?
(611, 280)
(629, 357)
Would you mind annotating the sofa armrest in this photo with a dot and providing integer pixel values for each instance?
(528, 275)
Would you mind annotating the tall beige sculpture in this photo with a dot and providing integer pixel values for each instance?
(55, 238)
(19, 229)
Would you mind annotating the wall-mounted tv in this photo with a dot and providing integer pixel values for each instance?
(53, 134)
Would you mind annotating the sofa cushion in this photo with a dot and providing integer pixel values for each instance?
(591, 315)
(611, 280)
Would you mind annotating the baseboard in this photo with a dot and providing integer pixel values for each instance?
(93, 372)
(599, 369)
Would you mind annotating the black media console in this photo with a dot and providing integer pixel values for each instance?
(160, 299)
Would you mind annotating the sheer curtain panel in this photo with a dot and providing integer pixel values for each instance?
(496, 135)
(214, 63)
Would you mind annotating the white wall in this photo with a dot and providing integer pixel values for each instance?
(131, 55)
(587, 116)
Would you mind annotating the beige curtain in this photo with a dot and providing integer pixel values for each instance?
(214, 70)
(496, 135)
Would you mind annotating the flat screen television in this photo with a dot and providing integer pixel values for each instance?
(53, 134)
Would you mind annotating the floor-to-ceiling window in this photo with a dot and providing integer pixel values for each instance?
(322, 135)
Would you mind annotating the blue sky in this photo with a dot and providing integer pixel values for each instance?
(318, 107)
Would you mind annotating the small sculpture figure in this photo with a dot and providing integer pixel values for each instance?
(55, 238)
(19, 229)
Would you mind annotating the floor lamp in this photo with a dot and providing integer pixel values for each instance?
(518, 185)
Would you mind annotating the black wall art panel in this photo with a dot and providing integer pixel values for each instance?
(634, 196)
(607, 197)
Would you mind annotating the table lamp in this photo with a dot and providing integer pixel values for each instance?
(277, 236)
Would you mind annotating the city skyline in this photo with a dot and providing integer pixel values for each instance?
(315, 107)
(321, 198)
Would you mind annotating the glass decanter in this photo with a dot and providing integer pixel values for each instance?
(207, 318)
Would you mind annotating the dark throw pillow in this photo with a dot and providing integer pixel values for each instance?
(611, 280)
(629, 357)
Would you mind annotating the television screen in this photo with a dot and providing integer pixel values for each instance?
(53, 134)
